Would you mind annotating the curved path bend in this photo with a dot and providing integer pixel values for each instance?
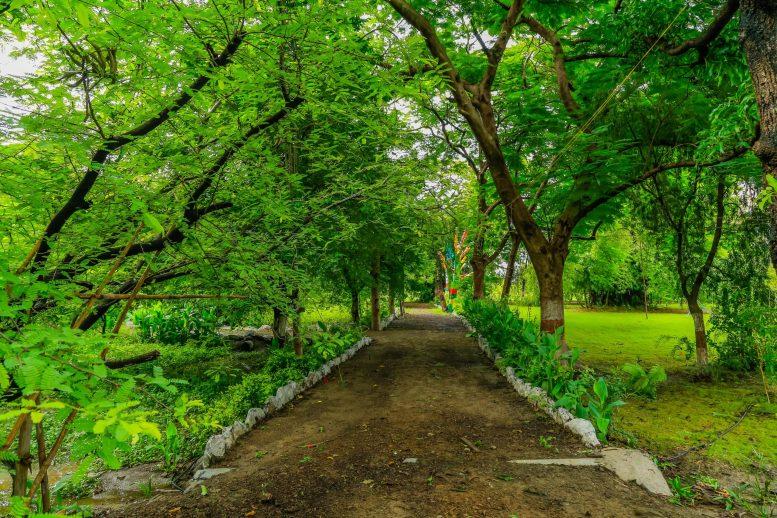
(421, 391)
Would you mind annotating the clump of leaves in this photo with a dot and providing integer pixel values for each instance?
(682, 493)
(642, 382)
(175, 324)
(601, 408)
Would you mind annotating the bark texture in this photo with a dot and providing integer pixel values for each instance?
(758, 32)
(700, 333)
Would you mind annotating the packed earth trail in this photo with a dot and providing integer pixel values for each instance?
(420, 423)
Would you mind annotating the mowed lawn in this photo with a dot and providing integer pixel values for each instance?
(687, 412)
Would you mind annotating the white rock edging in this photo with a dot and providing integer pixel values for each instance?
(389, 319)
(219, 444)
(580, 427)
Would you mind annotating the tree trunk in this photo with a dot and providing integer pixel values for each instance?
(45, 493)
(375, 293)
(699, 332)
(758, 32)
(24, 459)
(280, 325)
(510, 271)
(550, 275)
(355, 306)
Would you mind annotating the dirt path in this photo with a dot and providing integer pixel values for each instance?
(414, 393)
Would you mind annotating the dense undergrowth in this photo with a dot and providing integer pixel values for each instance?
(228, 383)
(216, 383)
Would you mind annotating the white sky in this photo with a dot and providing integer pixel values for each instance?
(12, 66)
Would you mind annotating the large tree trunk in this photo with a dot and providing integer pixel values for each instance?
(510, 270)
(479, 261)
(699, 332)
(375, 293)
(550, 275)
(355, 306)
(758, 32)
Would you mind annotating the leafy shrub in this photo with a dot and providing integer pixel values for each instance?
(601, 407)
(332, 340)
(745, 337)
(536, 357)
(641, 382)
(175, 324)
(282, 366)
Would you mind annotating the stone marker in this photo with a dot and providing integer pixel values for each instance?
(628, 465)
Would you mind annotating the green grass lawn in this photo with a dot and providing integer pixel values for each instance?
(686, 412)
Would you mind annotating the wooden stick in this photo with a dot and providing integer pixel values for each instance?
(44, 467)
(469, 443)
(106, 279)
(44, 486)
(161, 296)
(30, 256)
(13, 432)
(134, 293)
(135, 360)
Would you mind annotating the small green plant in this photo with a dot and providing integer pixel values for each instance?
(175, 324)
(641, 382)
(601, 409)
(682, 493)
(762, 490)
(547, 442)
(259, 454)
(171, 446)
(306, 459)
(222, 372)
(146, 488)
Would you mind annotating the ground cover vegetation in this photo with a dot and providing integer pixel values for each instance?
(591, 183)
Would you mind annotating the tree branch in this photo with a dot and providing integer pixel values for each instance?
(496, 52)
(77, 200)
(614, 191)
(499, 248)
(702, 42)
(705, 269)
(135, 360)
(564, 86)
(594, 55)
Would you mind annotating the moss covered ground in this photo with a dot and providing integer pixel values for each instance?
(687, 412)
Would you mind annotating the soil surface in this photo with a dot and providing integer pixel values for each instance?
(419, 423)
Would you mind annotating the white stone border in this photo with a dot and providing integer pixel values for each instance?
(537, 396)
(219, 444)
(389, 319)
